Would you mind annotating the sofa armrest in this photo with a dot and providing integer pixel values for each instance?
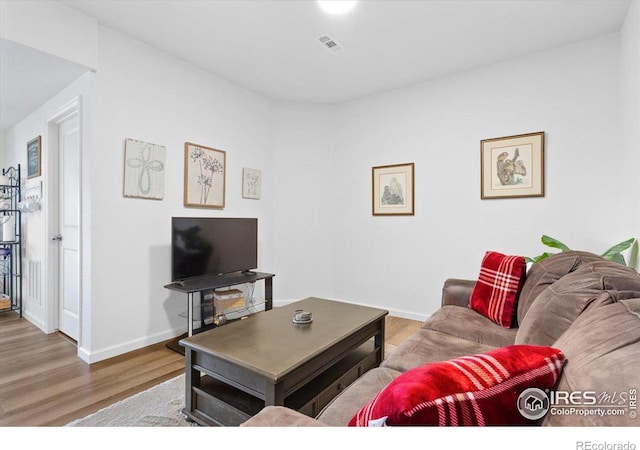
(457, 292)
(281, 416)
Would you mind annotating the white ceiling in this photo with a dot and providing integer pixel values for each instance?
(272, 48)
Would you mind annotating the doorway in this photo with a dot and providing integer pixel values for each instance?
(64, 222)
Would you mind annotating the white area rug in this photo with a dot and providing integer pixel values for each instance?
(159, 406)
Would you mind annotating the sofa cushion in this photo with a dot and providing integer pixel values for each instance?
(281, 416)
(425, 346)
(548, 271)
(602, 349)
(342, 408)
(481, 389)
(465, 323)
(559, 305)
(615, 276)
(496, 291)
(456, 291)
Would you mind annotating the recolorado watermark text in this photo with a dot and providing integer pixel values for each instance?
(589, 445)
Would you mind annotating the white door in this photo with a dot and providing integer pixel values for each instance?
(68, 236)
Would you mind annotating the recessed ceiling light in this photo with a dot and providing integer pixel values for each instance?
(337, 6)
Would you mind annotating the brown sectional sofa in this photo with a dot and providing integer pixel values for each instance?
(584, 305)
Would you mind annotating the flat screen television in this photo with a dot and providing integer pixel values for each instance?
(208, 246)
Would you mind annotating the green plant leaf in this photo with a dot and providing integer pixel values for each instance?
(543, 256)
(554, 243)
(538, 258)
(617, 249)
(618, 258)
(633, 256)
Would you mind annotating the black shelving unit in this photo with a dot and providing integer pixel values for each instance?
(199, 285)
(11, 242)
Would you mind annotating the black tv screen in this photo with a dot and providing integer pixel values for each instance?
(205, 246)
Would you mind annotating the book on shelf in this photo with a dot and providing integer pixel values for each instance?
(228, 299)
(227, 294)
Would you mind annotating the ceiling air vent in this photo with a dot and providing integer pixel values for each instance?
(330, 44)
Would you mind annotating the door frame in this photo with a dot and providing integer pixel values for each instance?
(51, 183)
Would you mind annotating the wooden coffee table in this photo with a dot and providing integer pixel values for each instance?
(234, 371)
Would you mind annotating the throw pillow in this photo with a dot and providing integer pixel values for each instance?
(495, 294)
(480, 389)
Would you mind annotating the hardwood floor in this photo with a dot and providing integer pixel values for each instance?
(44, 383)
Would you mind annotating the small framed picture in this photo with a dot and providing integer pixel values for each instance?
(512, 166)
(204, 176)
(34, 157)
(393, 190)
(251, 183)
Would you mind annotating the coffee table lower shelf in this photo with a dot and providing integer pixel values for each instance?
(217, 403)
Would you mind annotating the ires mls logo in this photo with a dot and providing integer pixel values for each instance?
(534, 403)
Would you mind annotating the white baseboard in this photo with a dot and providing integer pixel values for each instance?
(34, 320)
(109, 352)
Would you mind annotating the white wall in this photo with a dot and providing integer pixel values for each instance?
(400, 263)
(317, 232)
(306, 193)
(3, 148)
(630, 95)
(145, 94)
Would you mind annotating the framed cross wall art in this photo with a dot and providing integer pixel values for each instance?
(143, 170)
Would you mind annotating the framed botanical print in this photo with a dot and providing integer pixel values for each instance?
(393, 190)
(204, 176)
(512, 166)
(251, 183)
